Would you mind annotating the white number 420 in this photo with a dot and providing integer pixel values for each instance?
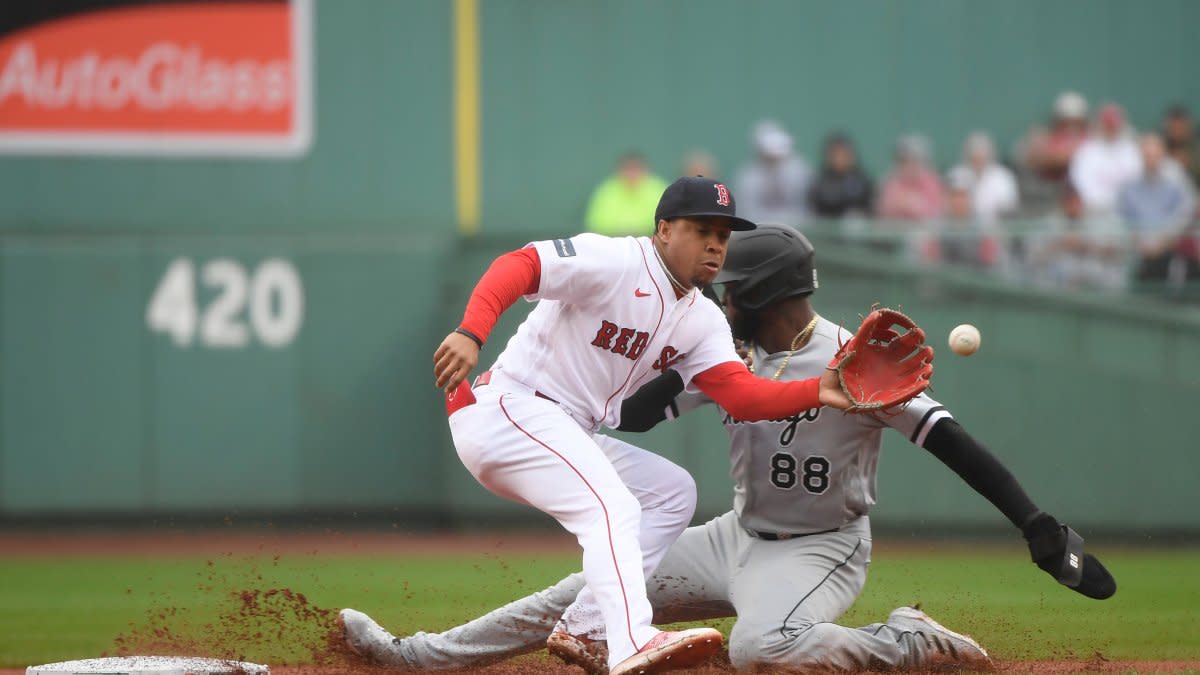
(274, 292)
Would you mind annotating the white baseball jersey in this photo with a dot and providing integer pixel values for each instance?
(607, 321)
(813, 471)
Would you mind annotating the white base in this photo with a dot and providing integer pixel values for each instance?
(149, 665)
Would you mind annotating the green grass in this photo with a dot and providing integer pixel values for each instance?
(54, 609)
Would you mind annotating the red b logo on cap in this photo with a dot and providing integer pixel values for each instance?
(722, 194)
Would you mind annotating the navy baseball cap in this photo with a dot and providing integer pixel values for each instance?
(699, 196)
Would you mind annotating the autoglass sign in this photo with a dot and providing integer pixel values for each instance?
(191, 77)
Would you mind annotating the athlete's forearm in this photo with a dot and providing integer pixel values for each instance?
(648, 405)
(752, 399)
(976, 465)
(510, 276)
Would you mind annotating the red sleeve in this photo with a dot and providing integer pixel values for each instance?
(510, 276)
(752, 399)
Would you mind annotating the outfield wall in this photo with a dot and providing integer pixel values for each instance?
(1088, 401)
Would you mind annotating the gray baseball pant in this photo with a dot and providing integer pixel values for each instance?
(785, 595)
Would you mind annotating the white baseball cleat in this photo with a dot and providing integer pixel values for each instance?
(589, 654)
(368, 639)
(672, 650)
(946, 649)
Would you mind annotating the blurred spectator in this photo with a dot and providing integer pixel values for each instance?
(773, 186)
(1179, 134)
(912, 191)
(1156, 207)
(962, 237)
(842, 187)
(1077, 250)
(992, 186)
(1106, 161)
(1048, 151)
(624, 203)
(960, 242)
(699, 163)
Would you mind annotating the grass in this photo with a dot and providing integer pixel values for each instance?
(54, 609)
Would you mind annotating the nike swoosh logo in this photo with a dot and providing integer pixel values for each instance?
(641, 294)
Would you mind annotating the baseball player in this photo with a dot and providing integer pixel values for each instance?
(792, 555)
(612, 314)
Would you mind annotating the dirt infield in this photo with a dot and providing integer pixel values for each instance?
(259, 615)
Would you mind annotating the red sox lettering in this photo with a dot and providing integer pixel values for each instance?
(669, 357)
(630, 343)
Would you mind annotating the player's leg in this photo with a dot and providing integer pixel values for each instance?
(527, 449)
(788, 593)
(692, 583)
(667, 495)
(519, 627)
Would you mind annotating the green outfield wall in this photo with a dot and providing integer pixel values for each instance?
(136, 381)
(208, 335)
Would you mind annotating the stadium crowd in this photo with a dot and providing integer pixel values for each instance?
(1082, 201)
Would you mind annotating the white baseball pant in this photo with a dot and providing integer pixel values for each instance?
(624, 504)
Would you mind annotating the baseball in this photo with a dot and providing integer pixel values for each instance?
(964, 339)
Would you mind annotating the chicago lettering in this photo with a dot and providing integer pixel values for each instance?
(789, 432)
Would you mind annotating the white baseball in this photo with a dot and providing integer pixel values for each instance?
(964, 339)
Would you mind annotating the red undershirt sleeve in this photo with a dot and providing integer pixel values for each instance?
(511, 275)
(752, 399)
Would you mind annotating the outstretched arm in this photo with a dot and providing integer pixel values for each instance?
(752, 399)
(976, 465)
(510, 276)
(1056, 548)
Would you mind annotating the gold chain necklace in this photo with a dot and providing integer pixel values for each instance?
(800, 338)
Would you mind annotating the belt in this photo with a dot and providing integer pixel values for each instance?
(782, 536)
(486, 377)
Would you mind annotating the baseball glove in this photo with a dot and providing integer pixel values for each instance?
(885, 364)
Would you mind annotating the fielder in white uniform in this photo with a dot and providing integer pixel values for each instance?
(612, 314)
(792, 555)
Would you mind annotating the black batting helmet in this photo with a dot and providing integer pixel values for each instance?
(769, 263)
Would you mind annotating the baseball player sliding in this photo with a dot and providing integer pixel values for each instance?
(612, 313)
(792, 555)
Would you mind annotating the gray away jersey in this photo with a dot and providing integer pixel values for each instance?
(813, 471)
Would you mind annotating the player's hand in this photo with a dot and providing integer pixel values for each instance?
(1058, 551)
(883, 365)
(454, 359)
(831, 393)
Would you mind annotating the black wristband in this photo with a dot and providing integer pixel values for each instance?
(463, 331)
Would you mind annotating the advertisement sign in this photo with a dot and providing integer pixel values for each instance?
(170, 78)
